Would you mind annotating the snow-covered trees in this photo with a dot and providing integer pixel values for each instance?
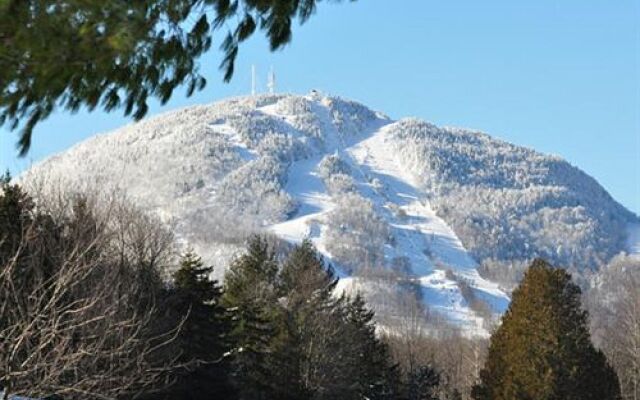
(356, 235)
(615, 324)
(509, 203)
(319, 166)
(349, 117)
(255, 190)
(336, 175)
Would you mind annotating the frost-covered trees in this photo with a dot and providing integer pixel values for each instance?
(300, 114)
(356, 235)
(349, 117)
(332, 164)
(255, 190)
(615, 308)
(509, 203)
(336, 175)
(220, 172)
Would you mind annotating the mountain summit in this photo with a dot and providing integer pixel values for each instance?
(396, 206)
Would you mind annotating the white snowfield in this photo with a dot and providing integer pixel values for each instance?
(328, 170)
(421, 236)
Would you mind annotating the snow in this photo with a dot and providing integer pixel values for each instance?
(430, 243)
(181, 166)
(425, 239)
(307, 189)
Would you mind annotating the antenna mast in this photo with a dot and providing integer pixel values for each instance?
(271, 83)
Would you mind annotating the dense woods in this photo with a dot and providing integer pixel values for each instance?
(97, 302)
(300, 247)
(81, 298)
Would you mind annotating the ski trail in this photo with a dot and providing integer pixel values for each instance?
(307, 189)
(421, 237)
(421, 232)
(401, 188)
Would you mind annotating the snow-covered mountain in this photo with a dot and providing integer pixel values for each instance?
(397, 206)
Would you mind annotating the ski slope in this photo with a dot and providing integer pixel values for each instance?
(250, 164)
(421, 236)
(432, 245)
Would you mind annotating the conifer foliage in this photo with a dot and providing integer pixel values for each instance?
(203, 342)
(295, 339)
(250, 297)
(542, 350)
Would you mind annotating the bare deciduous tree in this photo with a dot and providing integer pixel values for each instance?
(421, 338)
(615, 309)
(80, 304)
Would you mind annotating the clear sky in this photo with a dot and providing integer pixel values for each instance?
(559, 76)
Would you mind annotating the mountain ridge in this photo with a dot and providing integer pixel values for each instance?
(432, 205)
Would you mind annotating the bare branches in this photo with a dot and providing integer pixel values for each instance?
(615, 323)
(79, 305)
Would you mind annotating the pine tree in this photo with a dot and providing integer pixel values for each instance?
(304, 277)
(307, 352)
(376, 375)
(203, 341)
(250, 295)
(542, 350)
(329, 348)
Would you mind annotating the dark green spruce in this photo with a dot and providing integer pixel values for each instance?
(204, 344)
(250, 297)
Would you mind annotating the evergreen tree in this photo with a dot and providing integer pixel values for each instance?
(304, 277)
(203, 341)
(329, 348)
(376, 375)
(16, 212)
(422, 383)
(250, 296)
(542, 350)
(307, 353)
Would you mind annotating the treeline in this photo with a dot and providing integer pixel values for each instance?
(87, 312)
(94, 304)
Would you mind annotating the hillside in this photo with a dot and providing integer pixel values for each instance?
(398, 207)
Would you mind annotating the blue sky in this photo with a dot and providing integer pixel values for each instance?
(560, 76)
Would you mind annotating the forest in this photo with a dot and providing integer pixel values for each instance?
(99, 301)
(286, 247)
